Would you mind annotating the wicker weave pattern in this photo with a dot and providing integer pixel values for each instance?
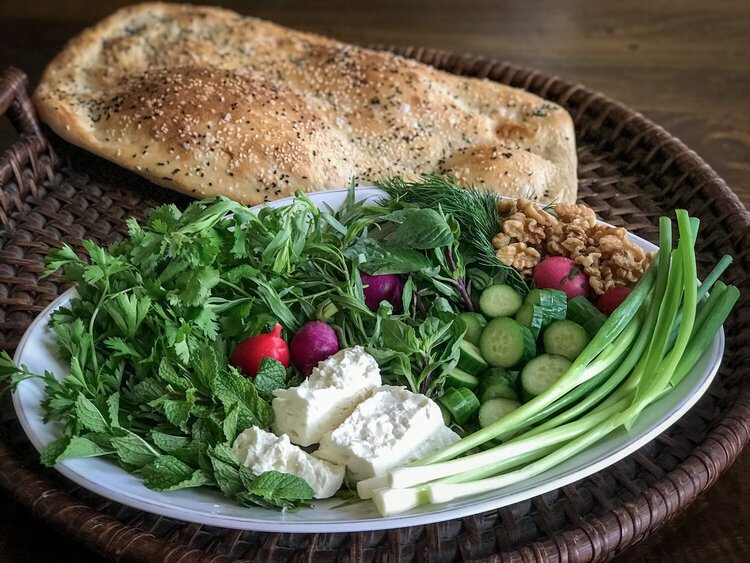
(631, 172)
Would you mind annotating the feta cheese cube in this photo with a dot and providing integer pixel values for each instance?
(384, 431)
(442, 437)
(322, 402)
(261, 451)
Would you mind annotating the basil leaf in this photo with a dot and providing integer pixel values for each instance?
(421, 229)
(378, 259)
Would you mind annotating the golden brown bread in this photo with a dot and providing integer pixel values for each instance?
(204, 101)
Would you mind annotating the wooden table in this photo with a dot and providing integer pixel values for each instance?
(684, 65)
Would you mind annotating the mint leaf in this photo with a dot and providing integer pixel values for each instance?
(168, 442)
(169, 375)
(271, 376)
(274, 485)
(53, 450)
(226, 469)
(230, 422)
(80, 446)
(231, 388)
(205, 368)
(165, 473)
(177, 412)
(133, 450)
(113, 407)
(89, 416)
(274, 489)
(197, 479)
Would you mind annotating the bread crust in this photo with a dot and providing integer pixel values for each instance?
(207, 102)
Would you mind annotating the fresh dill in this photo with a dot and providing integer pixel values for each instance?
(475, 211)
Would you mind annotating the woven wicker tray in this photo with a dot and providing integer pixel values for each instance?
(631, 172)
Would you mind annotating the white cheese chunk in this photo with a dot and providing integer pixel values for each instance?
(322, 402)
(383, 432)
(442, 437)
(261, 451)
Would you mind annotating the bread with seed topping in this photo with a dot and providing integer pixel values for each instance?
(206, 102)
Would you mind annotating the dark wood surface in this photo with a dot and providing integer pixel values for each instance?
(685, 65)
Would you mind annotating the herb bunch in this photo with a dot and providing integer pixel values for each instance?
(474, 210)
(156, 316)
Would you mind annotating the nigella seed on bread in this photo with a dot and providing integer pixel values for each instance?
(206, 102)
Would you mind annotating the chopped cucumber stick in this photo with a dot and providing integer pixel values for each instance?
(460, 402)
(541, 373)
(494, 409)
(565, 338)
(497, 383)
(548, 298)
(585, 313)
(532, 317)
(500, 301)
(470, 359)
(542, 307)
(474, 324)
(507, 343)
(459, 378)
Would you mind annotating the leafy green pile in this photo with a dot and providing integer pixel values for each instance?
(476, 212)
(156, 316)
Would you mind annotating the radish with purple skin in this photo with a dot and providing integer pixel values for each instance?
(558, 272)
(383, 287)
(313, 343)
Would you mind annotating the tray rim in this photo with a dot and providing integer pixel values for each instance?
(596, 538)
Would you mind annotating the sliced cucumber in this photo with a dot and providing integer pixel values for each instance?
(498, 383)
(460, 402)
(565, 338)
(494, 409)
(474, 325)
(506, 343)
(500, 300)
(470, 360)
(585, 313)
(459, 378)
(532, 317)
(540, 373)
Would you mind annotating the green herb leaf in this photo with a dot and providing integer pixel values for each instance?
(280, 489)
(133, 450)
(421, 229)
(167, 473)
(271, 376)
(168, 442)
(54, 450)
(81, 446)
(89, 416)
(375, 258)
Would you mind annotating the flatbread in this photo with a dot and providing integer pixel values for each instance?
(206, 102)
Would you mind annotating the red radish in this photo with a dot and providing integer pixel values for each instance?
(557, 272)
(384, 287)
(250, 352)
(312, 343)
(612, 298)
